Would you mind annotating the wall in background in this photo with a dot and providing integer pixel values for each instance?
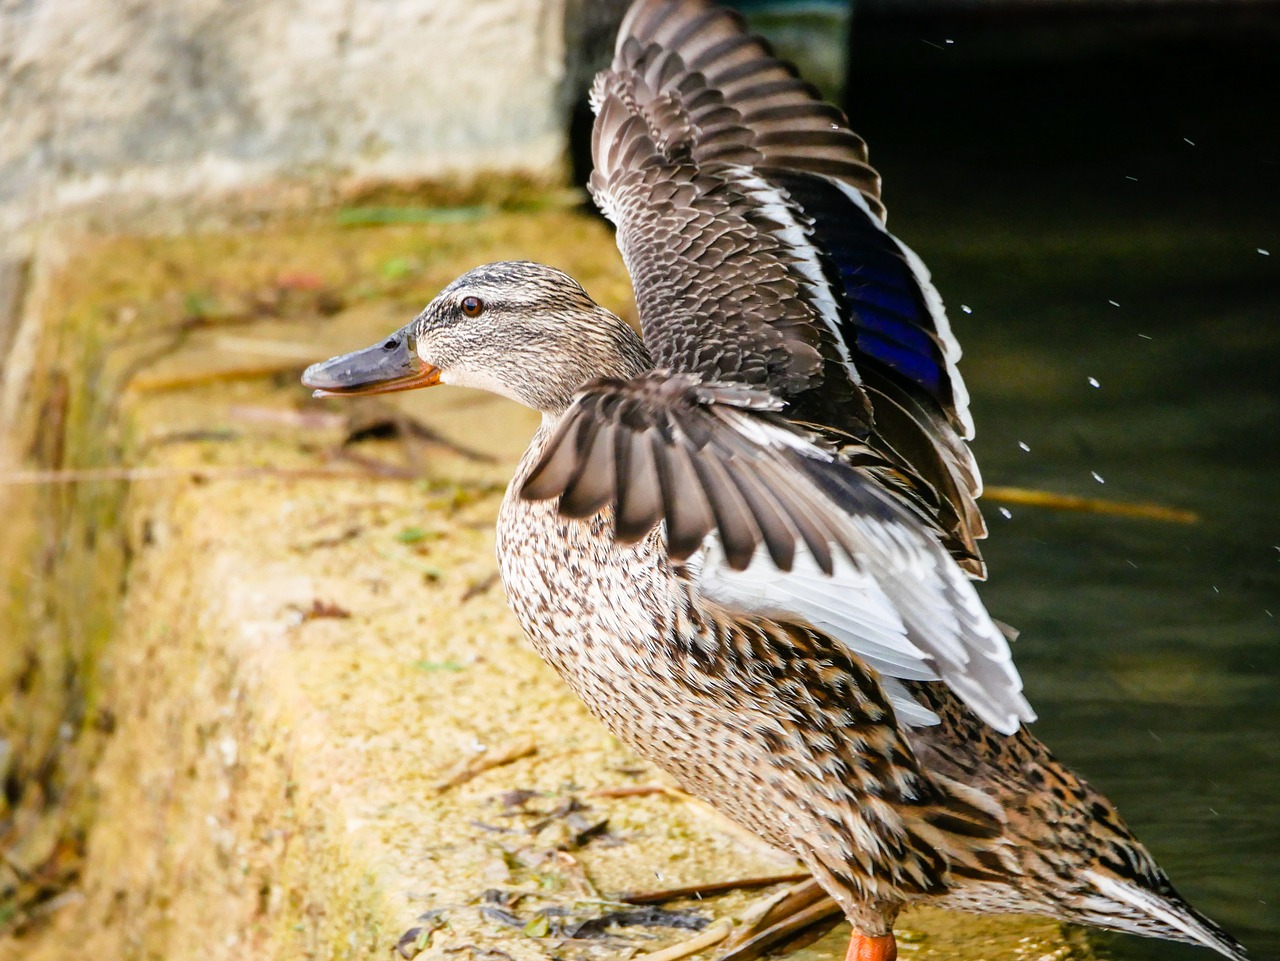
(111, 98)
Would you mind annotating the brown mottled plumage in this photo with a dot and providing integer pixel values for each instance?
(746, 541)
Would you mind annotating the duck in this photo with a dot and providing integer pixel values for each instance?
(747, 536)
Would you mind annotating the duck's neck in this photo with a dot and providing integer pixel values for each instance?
(607, 349)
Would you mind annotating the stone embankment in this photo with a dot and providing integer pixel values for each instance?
(262, 695)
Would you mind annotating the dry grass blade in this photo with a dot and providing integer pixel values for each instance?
(712, 935)
(303, 419)
(767, 912)
(77, 475)
(284, 349)
(631, 790)
(706, 890)
(797, 929)
(486, 760)
(143, 383)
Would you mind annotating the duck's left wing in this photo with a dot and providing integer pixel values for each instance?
(725, 282)
(730, 481)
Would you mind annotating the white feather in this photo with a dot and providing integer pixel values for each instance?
(771, 436)
(1151, 905)
(902, 606)
(848, 606)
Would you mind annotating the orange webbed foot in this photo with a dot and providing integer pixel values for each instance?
(863, 947)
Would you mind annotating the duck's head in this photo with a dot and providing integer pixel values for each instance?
(522, 330)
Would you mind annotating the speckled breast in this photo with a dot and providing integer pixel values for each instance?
(616, 622)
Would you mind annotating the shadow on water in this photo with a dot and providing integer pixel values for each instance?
(1097, 192)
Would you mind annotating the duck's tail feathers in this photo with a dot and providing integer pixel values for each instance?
(1155, 910)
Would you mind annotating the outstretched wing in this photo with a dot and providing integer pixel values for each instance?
(754, 233)
(786, 526)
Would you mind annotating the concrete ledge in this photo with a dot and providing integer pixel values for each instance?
(196, 97)
(314, 705)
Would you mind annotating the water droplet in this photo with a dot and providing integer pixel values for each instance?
(1216, 591)
(1093, 382)
(1006, 513)
(1131, 563)
(1096, 476)
(1264, 251)
(1146, 337)
(966, 308)
(1114, 303)
(950, 41)
(1023, 445)
(1134, 179)
(1189, 140)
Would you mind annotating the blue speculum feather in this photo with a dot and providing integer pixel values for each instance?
(871, 289)
(890, 322)
(890, 315)
(910, 364)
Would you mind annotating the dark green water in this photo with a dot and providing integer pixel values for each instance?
(1150, 649)
(1041, 189)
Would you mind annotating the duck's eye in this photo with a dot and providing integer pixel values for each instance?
(472, 306)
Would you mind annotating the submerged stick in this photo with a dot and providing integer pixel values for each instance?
(1090, 505)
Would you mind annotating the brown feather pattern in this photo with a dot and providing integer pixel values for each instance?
(716, 65)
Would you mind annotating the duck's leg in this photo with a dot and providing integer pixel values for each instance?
(866, 947)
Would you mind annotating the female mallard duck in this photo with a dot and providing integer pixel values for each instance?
(746, 542)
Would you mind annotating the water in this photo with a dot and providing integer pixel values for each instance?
(1151, 649)
(1099, 211)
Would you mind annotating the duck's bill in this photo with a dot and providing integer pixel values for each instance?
(380, 369)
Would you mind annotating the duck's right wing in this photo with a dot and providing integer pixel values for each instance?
(797, 529)
(668, 448)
